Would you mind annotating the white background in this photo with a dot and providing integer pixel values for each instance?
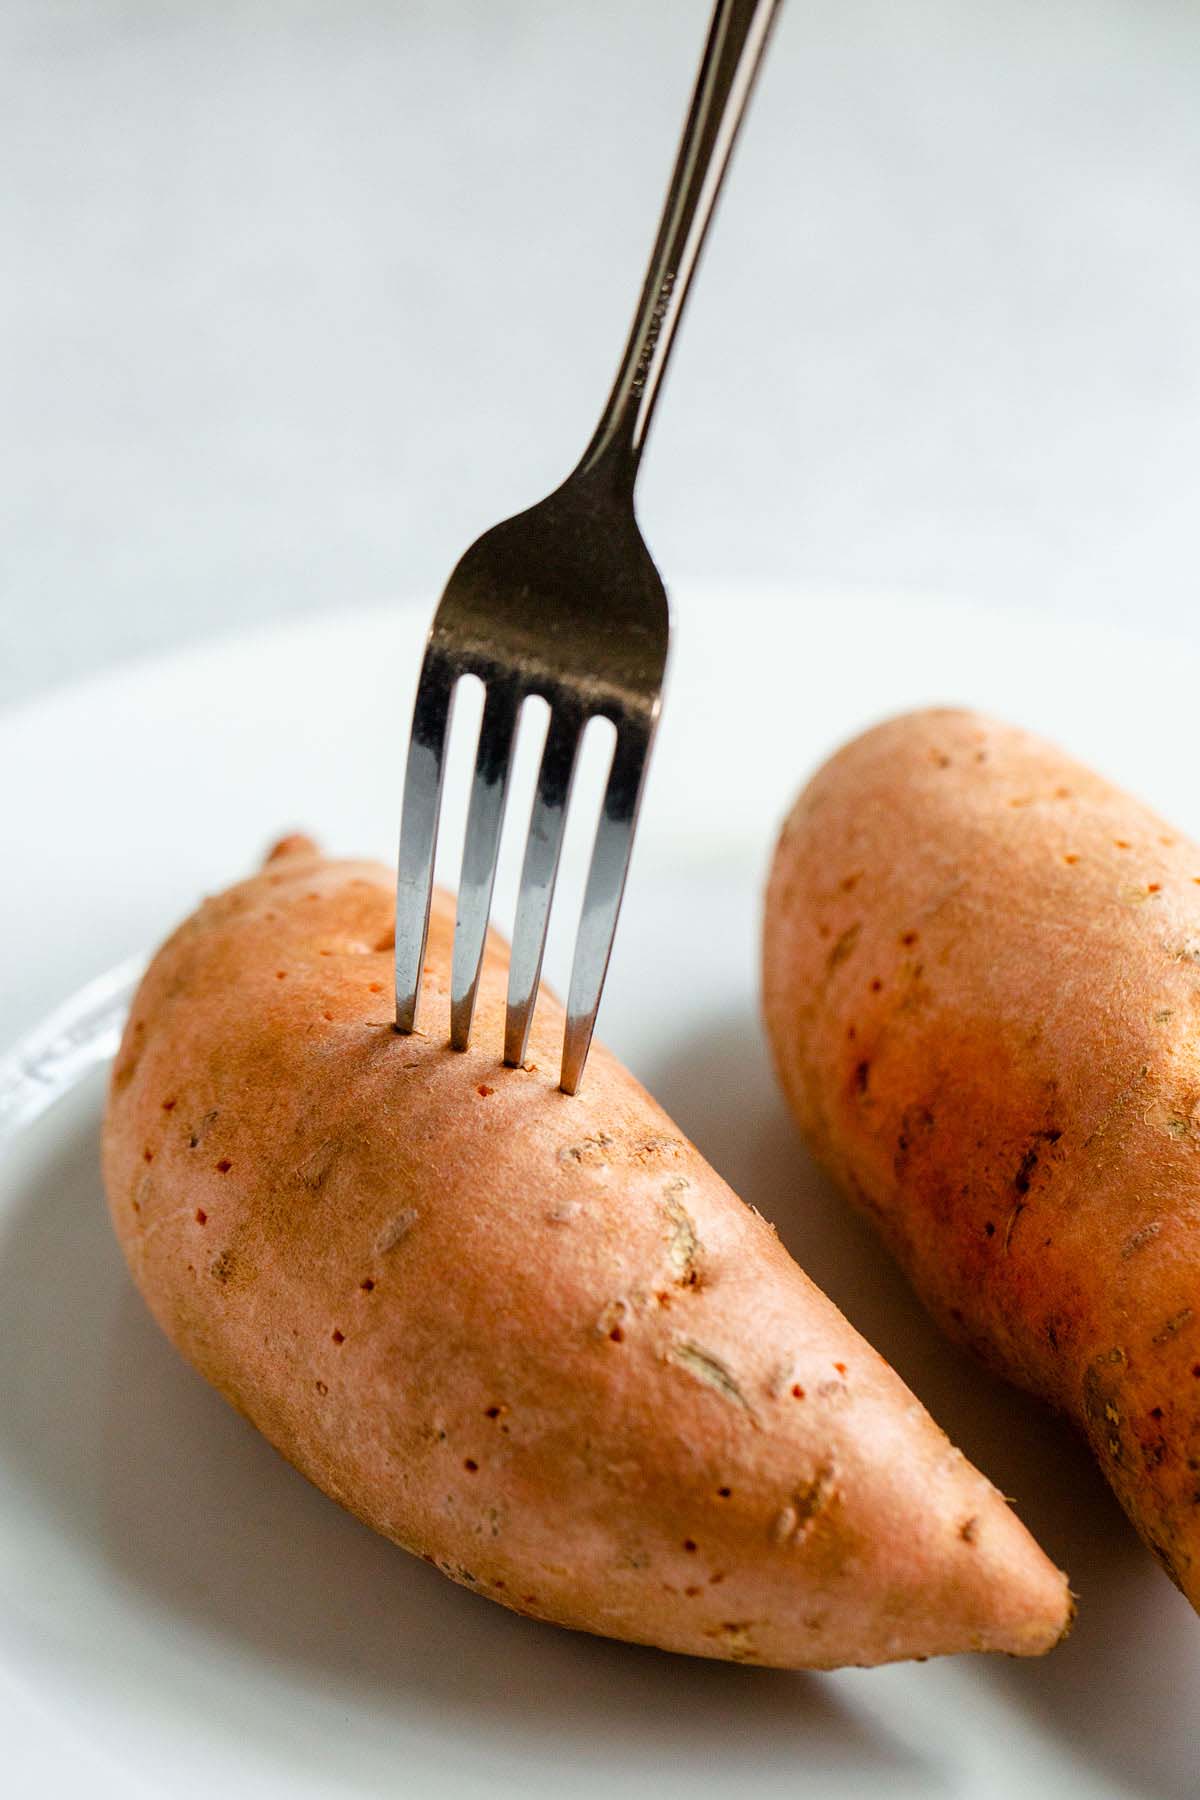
(298, 295)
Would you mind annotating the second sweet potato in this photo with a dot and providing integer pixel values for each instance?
(982, 988)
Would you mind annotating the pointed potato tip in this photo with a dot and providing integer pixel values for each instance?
(1046, 1633)
(974, 1577)
(1029, 1600)
(296, 843)
(1072, 1614)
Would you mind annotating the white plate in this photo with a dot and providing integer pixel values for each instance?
(180, 1614)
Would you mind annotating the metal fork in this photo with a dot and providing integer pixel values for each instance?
(564, 601)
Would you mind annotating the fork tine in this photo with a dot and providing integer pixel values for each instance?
(485, 818)
(539, 872)
(602, 896)
(423, 777)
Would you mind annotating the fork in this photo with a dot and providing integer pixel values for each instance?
(563, 601)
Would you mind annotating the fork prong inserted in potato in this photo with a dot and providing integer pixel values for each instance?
(602, 896)
(539, 872)
(424, 773)
(481, 848)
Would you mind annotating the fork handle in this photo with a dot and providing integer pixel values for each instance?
(736, 40)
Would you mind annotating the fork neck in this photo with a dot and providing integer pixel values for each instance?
(736, 40)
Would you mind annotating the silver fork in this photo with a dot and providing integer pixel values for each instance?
(564, 601)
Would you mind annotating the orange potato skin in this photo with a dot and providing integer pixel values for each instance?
(533, 1338)
(981, 972)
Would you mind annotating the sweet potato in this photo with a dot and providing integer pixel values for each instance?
(982, 988)
(533, 1338)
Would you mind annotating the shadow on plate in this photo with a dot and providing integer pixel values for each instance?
(150, 1474)
(1114, 1690)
